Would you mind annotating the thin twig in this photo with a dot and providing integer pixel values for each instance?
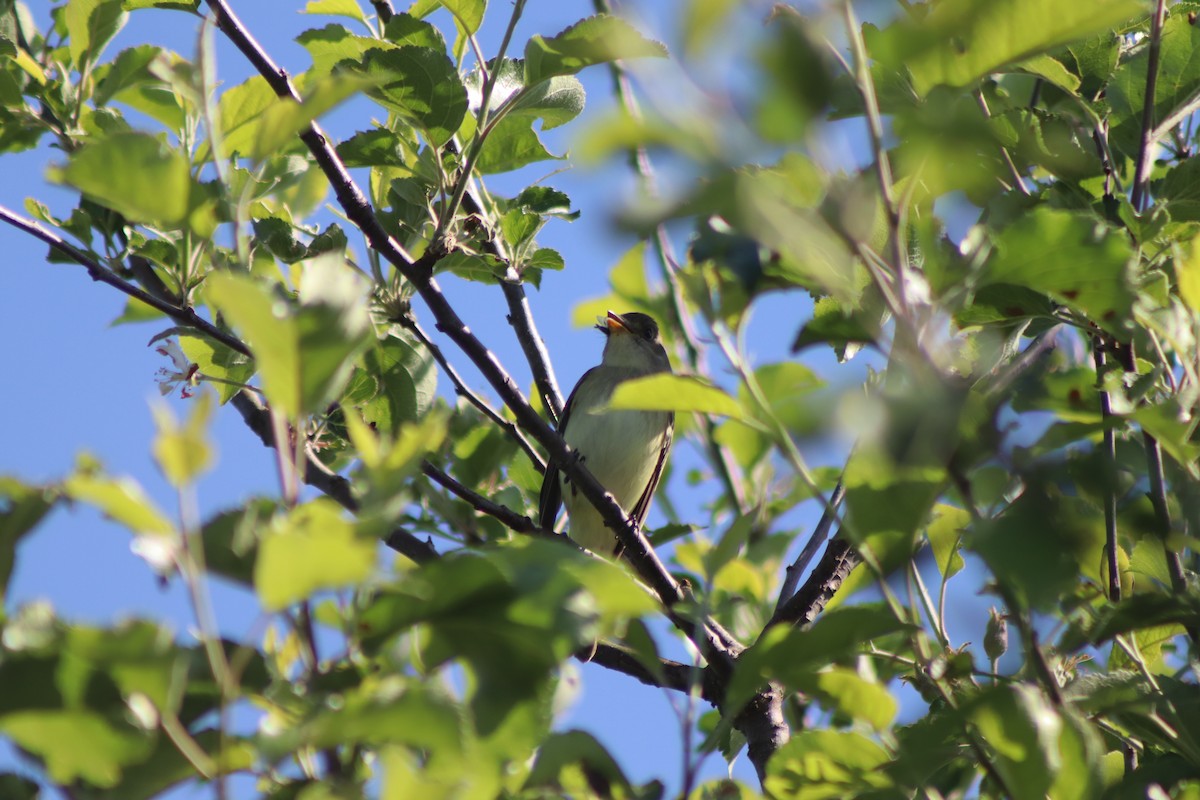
(520, 317)
(511, 519)
(883, 168)
(461, 388)
(184, 316)
(1110, 459)
(827, 577)
(1012, 167)
(819, 535)
(1141, 170)
(1162, 519)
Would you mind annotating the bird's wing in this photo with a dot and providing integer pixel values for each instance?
(643, 504)
(550, 499)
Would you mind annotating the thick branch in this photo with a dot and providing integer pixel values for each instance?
(826, 578)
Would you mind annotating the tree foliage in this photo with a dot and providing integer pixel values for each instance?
(1014, 250)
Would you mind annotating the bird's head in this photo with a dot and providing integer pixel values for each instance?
(633, 341)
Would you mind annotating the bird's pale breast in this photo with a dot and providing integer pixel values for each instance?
(620, 448)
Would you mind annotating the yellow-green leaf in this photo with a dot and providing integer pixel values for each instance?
(675, 393)
(312, 548)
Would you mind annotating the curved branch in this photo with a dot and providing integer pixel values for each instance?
(474, 399)
(826, 579)
(511, 519)
(182, 315)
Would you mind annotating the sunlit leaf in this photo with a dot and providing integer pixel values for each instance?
(595, 40)
(675, 393)
(310, 548)
(134, 173)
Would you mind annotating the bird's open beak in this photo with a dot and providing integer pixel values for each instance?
(616, 323)
(613, 323)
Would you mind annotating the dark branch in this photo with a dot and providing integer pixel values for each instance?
(474, 399)
(184, 316)
(820, 533)
(521, 319)
(826, 578)
(514, 521)
(1141, 172)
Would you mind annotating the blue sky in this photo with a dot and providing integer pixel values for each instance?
(74, 383)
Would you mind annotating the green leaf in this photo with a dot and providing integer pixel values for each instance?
(960, 41)
(135, 174)
(482, 268)
(22, 507)
(120, 499)
(845, 691)
(556, 101)
(837, 326)
(333, 326)
(827, 764)
(407, 377)
(1052, 70)
(311, 548)
(336, 8)
(333, 44)
(389, 461)
(377, 147)
(240, 110)
(468, 13)
(216, 360)
(231, 540)
(420, 85)
(270, 333)
(77, 744)
(15, 787)
(681, 393)
(1178, 78)
(945, 535)
(596, 40)
(510, 145)
(91, 24)
(284, 119)
(404, 29)
(1021, 726)
(183, 452)
(791, 656)
(1041, 545)
(568, 748)
(1072, 257)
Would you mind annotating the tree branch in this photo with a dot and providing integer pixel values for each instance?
(184, 316)
(461, 388)
(819, 535)
(1141, 172)
(827, 577)
(520, 317)
(511, 519)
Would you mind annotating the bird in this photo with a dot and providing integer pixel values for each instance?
(625, 451)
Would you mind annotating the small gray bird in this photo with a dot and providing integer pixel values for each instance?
(625, 450)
